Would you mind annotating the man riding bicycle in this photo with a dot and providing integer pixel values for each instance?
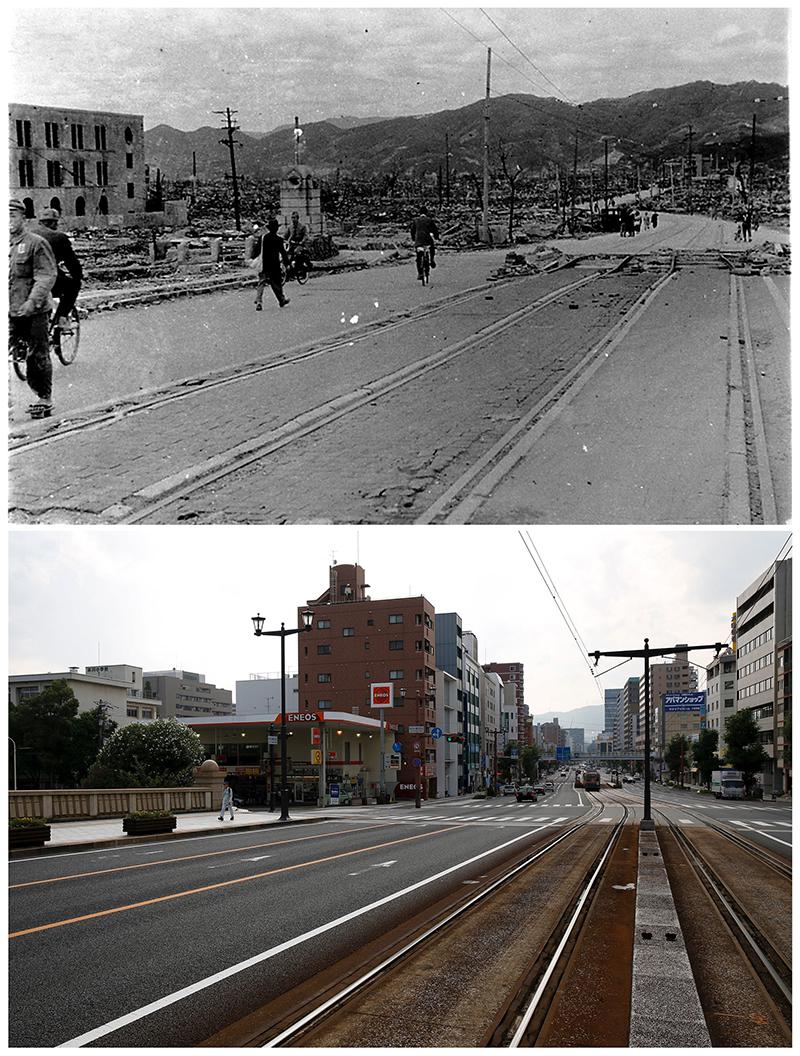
(70, 272)
(296, 237)
(424, 231)
(31, 273)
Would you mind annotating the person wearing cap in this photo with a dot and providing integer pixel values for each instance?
(70, 272)
(32, 273)
(273, 254)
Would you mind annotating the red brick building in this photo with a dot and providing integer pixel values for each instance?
(355, 641)
(513, 671)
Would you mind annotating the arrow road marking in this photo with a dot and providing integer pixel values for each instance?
(377, 865)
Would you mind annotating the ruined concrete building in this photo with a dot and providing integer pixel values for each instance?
(88, 164)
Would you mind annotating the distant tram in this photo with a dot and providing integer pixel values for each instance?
(591, 780)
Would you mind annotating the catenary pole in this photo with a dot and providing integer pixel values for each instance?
(486, 146)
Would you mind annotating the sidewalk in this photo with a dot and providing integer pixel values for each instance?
(107, 832)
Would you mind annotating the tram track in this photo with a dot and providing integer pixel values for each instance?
(325, 1013)
(769, 964)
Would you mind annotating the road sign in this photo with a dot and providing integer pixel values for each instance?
(316, 757)
(436, 733)
(417, 762)
(272, 739)
(416, 729)
(316, 735)
(563, 753)
(335, 793)
(416, 746)
(397, 747)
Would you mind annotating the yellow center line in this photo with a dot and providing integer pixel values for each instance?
(221, 884)
(191, 857)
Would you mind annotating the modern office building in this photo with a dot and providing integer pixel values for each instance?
(574, 738)
(119, 687)
(356, 641)
(763, 640)
(261, 693)
(491, 723)
(675, 676)
(629, 716)
(512, 671)
(186, 694)
(553, 735)
(612, 703)
(84, 163)
(720, 692)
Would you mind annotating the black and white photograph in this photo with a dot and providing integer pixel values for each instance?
(398, 531)
(399, 265)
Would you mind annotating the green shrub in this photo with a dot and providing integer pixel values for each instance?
(26, 823)
(150, 814)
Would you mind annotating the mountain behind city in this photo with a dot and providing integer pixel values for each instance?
(590, 718)
(537, 131)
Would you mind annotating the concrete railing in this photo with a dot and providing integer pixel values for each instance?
(73, 804)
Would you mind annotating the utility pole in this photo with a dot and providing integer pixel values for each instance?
(646, 653)
(194, 176)
(447, 166)
(752, 159)
(591, 190)
(689, 173)
(574, 181)
(486, 147)
(605, 172)
(230, 143)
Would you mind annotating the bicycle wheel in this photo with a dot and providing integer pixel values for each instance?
(70, 335)
(19, 358)
(300, 273)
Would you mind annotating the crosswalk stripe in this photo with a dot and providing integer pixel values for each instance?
(741, 824)
(784, 824)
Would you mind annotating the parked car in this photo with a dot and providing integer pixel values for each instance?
(526, 793)
(507, 790)
(540, 790)
(549, 784)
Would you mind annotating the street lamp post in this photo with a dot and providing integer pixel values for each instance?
(418, 784)
(283, 634)
(15, 761)
(646, 653)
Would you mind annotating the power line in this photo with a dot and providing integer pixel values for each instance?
(499, 56)
(553, 591)
(522, 53)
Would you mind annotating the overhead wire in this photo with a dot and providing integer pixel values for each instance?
(527, 59)
(560, 605)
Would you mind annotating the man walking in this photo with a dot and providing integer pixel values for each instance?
(227, 799)
(273, 258)
(31, 275)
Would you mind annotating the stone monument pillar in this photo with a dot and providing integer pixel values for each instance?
(300, 193)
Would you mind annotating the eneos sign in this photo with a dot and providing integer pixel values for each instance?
(381, 695)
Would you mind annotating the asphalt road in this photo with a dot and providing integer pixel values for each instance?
(653, 433)
(149, 945)
(765, 823)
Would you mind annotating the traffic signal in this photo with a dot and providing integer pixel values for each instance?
(455, 738)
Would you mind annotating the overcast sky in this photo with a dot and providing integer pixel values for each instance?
(183, 597)
(177, 65)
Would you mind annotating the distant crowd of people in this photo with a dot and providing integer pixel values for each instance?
(632, 221)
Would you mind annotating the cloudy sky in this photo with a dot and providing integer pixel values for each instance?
(183, 597)
(179, 64)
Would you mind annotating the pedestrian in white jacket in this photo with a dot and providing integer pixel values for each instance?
(227, 799)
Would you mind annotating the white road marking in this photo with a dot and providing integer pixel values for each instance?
(376, 865)
(785, 824)
(686, 821)
(259, 858)
(202, 984)
(769, 836)
(741, 824)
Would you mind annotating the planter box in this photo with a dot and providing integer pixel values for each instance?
(32, 836)
(147, 826)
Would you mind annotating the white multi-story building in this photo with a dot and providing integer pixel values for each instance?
(720, 692)
(261, 694)
(491, 704)
(119, 687)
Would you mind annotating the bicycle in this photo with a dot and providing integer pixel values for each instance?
(64, 339)
(298, 267)
(424, 264)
